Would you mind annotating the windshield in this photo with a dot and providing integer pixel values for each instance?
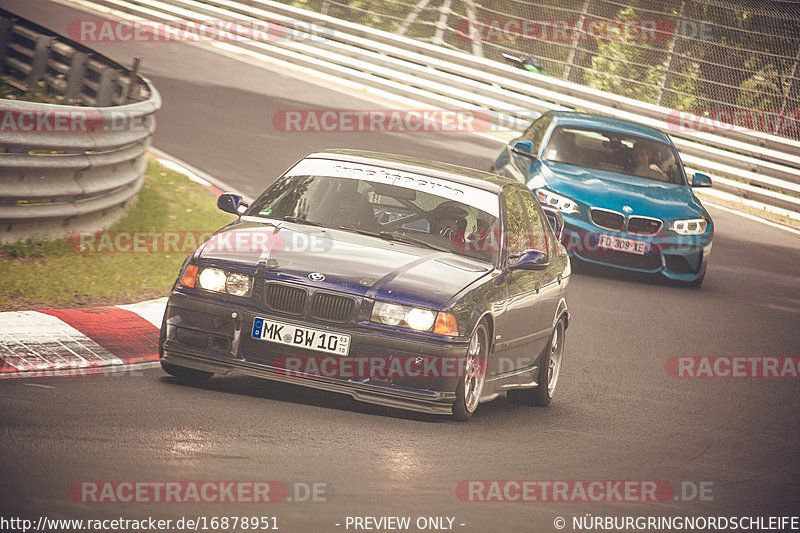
(615, 152)
(384, 210)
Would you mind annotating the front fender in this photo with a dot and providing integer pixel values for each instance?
(562, 312)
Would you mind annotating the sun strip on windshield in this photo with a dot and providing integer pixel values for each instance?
(471, 196)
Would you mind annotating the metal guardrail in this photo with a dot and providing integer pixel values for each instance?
(66, 168)
(752, 164)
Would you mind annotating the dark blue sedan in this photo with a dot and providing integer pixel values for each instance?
(398, 281)
(622, 190)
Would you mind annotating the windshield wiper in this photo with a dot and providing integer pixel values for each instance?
(413, 240)
(396, 237)
(298, 220)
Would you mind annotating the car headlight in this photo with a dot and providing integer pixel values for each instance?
(562, 203)
(216, 280)
(387, 313)
(238, 284)
(211, 279)
(415, 318)
(690, 226)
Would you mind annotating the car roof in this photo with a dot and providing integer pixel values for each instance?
(458, 174)
(618, 125)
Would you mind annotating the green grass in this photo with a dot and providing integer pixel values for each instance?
(38, 93)
(36, 274)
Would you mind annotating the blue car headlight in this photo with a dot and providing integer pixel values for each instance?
(689, 226)
(216, 280)
(562, 203)
(415, 318)
(404, 316)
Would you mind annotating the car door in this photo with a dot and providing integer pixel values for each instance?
(521, 334)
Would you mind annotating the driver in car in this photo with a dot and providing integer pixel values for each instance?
(641, 163)
(447, 220)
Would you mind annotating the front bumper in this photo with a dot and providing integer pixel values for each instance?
(215, 336)
(677, 257)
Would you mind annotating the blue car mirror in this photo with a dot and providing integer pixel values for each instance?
(700, 180)
(523, 148)
(231, 203)
(530, 260)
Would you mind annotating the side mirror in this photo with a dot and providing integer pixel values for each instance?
(531, 260)
(700, 180)
(556, 220)
(231, 203)
(523, 148)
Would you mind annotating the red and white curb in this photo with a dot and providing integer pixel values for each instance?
(69, 342)
(89, 341)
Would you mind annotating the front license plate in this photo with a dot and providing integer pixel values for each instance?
(300, 336)
(618, 244)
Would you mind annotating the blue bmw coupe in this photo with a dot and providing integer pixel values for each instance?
(622, 189)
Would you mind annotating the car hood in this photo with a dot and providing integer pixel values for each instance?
(356, 264)
(610, 190)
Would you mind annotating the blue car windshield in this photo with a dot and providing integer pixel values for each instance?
(615, 152)
(386, 211)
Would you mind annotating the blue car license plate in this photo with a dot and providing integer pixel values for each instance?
(618, 244)
(301, 336)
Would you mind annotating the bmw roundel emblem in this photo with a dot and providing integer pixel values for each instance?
(627, 209)
(316, 276)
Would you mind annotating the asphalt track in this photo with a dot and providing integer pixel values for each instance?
(618, 414)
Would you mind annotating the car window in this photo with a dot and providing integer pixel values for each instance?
(614, 152)
(516, 230)
(535, 132)
(428, 213)
(536, 222)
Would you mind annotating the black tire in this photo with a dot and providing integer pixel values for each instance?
(551, 361)
(470, 386)
(188, 375)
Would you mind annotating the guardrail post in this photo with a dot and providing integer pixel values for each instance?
(411, 17)
(5, 34)
(441, 24)
(667, 79)
(472, 15)
(40, 55)
(133, 75)
(574, 48)
(77, 69)
(105, 91)
(785, 98)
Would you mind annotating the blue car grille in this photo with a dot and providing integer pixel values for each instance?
(618, 222)
(333, 307)
(608, 219)
(644, 225)
(324, 306)
(285, 298)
